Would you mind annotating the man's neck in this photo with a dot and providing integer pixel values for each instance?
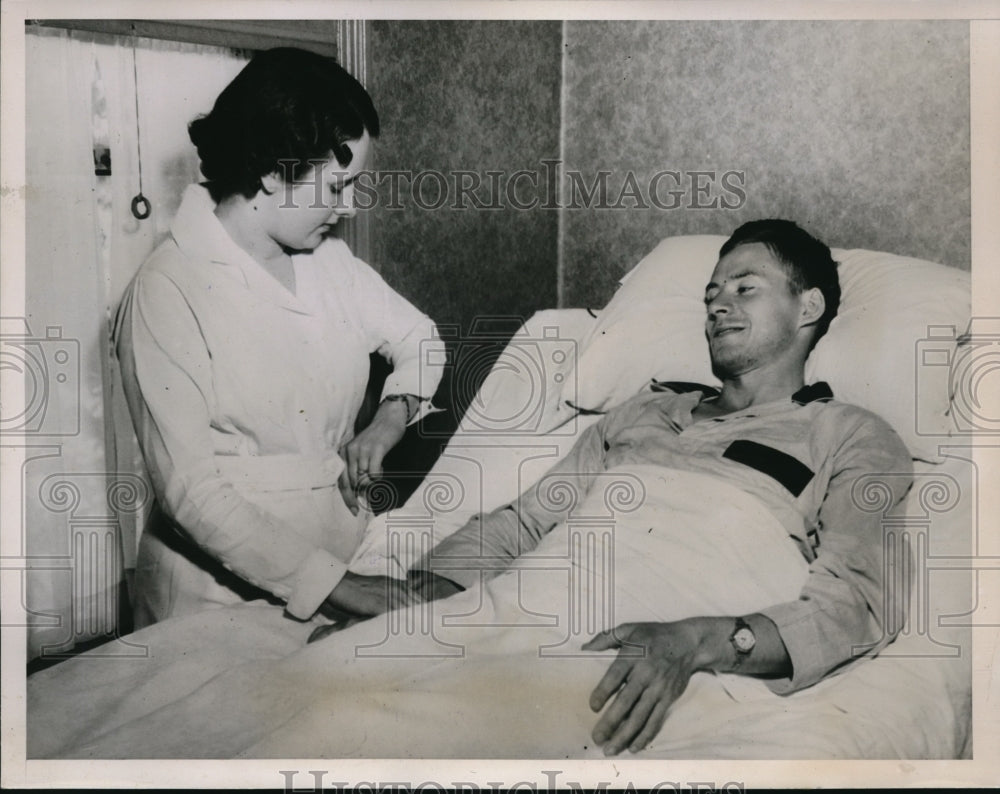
(756, 388)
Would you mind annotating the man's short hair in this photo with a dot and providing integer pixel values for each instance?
(807, 261)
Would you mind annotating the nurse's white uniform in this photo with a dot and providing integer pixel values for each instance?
(241, 394)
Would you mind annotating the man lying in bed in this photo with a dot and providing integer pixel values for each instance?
(772, 295)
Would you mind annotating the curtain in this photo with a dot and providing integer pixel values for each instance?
(84, 491)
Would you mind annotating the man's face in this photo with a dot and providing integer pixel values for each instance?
(753, 316)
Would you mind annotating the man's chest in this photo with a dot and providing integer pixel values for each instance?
(769, 453)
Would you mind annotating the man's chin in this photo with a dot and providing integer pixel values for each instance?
(720, 365)
(727, 369)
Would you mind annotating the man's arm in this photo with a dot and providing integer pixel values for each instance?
(844, 607)
(848, 608)
(655, 662)
(482, 548)
(488, 544)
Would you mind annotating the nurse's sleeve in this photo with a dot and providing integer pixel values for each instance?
(166, 375)
(402, 334)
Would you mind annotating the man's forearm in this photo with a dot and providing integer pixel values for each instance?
(432, 587)
(716, 651)
(487, 544)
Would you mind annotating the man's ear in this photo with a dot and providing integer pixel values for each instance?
(813, 305)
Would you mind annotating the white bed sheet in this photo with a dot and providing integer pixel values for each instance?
(500, 673)
(238, 682)
(914, 701)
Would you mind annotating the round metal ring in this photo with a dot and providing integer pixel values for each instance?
(141, 207)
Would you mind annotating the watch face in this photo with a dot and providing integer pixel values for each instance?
(744, 640)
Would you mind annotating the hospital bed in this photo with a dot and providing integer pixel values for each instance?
(499, 674)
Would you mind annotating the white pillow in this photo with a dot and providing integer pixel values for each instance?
(653, 328)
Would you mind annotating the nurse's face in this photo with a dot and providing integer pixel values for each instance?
(304, 211)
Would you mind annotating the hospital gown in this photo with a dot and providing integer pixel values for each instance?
(814, 462)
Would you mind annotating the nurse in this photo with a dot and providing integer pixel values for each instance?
(244, 342)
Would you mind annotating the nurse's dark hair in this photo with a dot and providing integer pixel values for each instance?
(807, 261)
(286, 106)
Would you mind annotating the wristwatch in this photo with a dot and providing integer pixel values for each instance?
(743, 640)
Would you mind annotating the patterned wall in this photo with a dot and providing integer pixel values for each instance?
(857, 130)
(465, 96)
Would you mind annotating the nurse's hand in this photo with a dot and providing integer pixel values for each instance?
(363, 455)
(365, 596)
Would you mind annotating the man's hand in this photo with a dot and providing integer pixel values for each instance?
(431, 587)
(330, 628)
(421, 586)
(652, 670)
(657, 660)
(363, 455)
(365, 596)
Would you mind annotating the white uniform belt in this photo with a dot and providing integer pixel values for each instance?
(288, 472)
